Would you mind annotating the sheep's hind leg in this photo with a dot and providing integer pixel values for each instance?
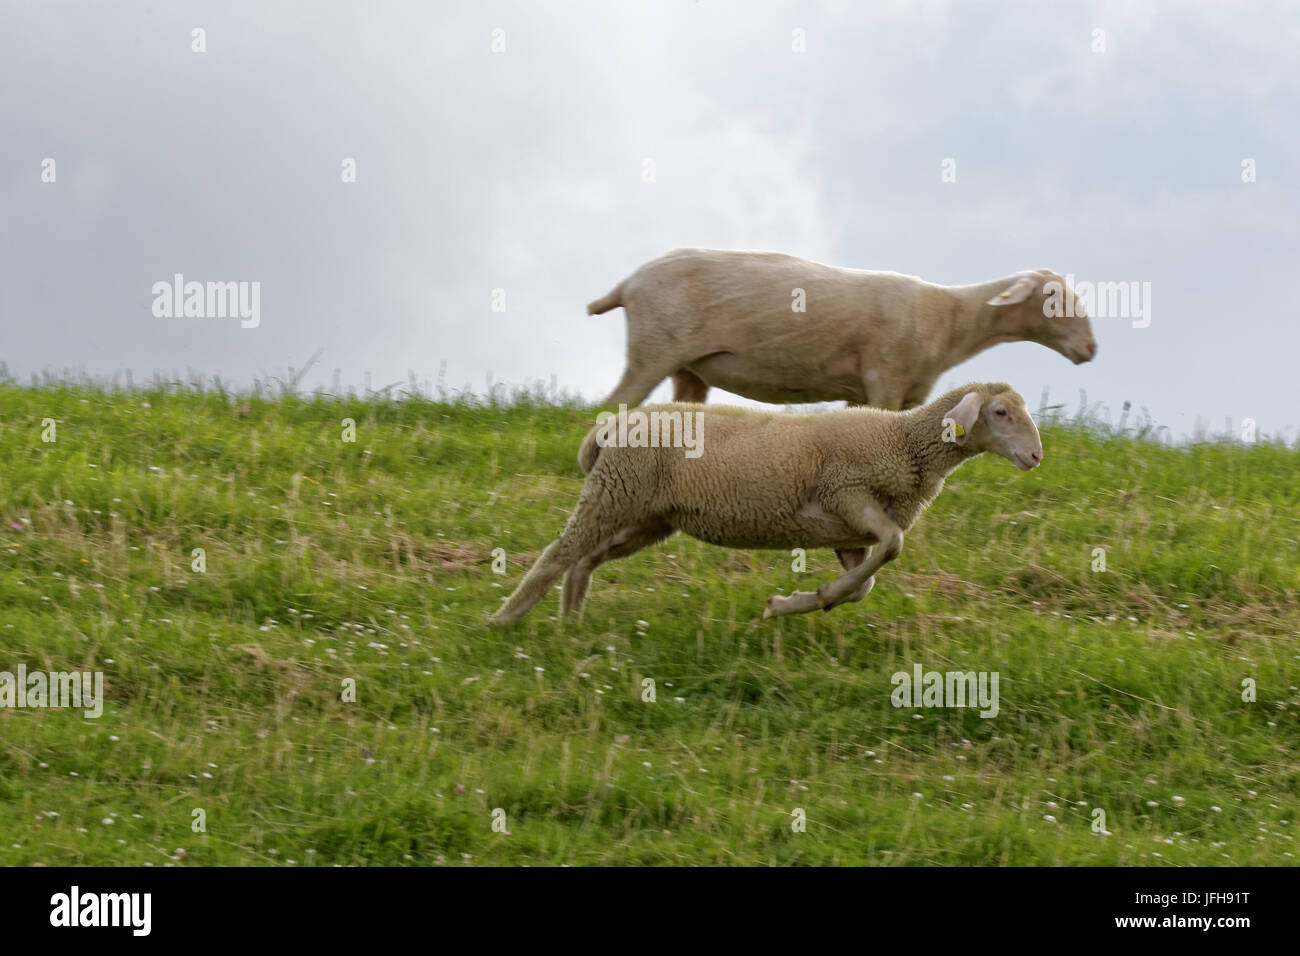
(628, 541)
(637, 382)
(689, 387)
(583, 532)
(648, 364)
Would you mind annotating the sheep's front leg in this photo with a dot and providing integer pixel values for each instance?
(854, 584)
(850, 558)
(800, 602)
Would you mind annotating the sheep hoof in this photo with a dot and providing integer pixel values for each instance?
(799, 602)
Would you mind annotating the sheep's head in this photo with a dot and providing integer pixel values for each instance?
(995, 418)
(1041, 307)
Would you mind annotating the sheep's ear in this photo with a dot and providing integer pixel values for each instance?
(1015, 293)
(963, 415)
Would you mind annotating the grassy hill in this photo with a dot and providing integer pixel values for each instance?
(371, 561)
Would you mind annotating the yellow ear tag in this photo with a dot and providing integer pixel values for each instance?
(958, 430)
(1006, 295)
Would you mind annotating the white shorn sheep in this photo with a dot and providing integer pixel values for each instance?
(730, 320)
(843, 479)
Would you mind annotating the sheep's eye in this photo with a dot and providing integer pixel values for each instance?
(1002, 412)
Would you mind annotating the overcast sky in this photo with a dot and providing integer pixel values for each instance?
(522, 170)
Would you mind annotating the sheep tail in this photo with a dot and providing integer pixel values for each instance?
(611, 300)
(589, 451)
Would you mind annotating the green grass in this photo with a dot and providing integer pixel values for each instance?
(371, 561)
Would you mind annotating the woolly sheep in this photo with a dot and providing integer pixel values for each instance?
(729, 319)
(843, 479)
